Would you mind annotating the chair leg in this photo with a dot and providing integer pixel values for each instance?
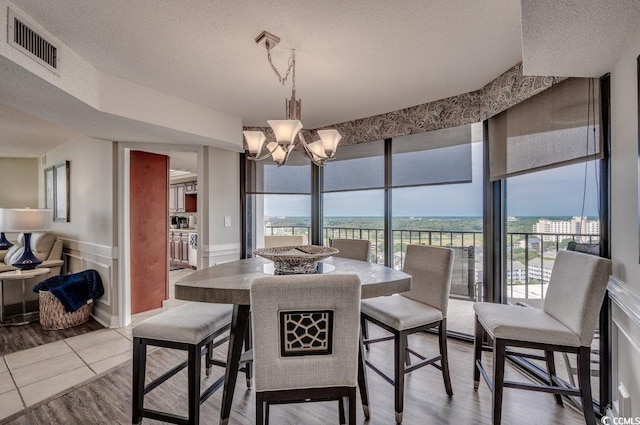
(364, 329)
(209, 357)
(584, 382)
(139, 370)
(407, 355)
(248, 344)
(259, 409)
(266, 413)
(341, 416)
(193, 374)
(551, 371)
(362, 381)
(444, 361)
(498, 380)
(567, 365)
(352, 406)
(477, 353)
(400, 341)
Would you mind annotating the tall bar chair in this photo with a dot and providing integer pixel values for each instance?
(305, 341)
(422, 308)
(566, 323)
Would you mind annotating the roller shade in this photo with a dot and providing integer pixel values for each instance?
(435, 157)
(292, 178)
(551, 129)
(357, 167)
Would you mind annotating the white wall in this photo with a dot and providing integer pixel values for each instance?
(219, 197)
(89, 238)
(91, 180)
(625, 236)
(19, 187)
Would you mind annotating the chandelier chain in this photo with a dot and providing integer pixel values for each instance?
(291, 65)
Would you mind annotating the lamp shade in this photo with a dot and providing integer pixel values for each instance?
(277, 153)
(330, 140)
(285, 130)
(317, 150)
(25, 220)
(255, 140)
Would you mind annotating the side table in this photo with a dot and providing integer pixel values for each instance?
(22, 276)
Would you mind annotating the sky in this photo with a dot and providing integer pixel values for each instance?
(555, 192)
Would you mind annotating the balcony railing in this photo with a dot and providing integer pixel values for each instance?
(529, 255)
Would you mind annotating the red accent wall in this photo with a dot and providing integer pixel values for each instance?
(149, 229)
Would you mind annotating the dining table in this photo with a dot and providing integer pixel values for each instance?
(230, 283)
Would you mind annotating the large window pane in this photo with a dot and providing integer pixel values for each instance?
(546, 211)
(277, 215)
(447, 215)
(356, 215)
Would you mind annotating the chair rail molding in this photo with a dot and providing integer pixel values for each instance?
(626, 298)
(220, 253)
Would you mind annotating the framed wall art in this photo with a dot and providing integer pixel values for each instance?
(57, 194)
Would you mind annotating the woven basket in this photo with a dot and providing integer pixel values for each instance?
(53, 316)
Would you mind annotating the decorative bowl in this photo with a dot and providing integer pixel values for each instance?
(296, 259)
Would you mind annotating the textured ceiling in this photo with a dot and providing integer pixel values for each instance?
(24, 135)
(575, 38)
(354, 59)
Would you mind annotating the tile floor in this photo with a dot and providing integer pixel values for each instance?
(30, 376)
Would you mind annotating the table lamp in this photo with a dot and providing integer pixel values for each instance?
(4, 243)
(26, 220)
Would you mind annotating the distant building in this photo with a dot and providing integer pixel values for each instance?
(577, 225)
(532, 243)
(540, 269)
(516, 272)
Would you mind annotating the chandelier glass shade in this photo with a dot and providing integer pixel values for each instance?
(288, 131)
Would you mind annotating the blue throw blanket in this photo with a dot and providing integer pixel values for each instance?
(73, 290)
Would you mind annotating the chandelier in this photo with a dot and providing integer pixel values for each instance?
(288, 131)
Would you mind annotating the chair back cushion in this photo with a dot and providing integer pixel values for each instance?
(430, 268)
(576, 289)
(274, 241)
(355, 249)
(305, 331)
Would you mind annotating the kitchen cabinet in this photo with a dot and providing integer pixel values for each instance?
(184, 249)
(180, 197)
(183, 197)
(179, 248)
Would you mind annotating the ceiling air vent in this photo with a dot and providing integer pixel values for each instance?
(32, 43)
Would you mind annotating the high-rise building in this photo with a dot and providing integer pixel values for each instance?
(577, 225)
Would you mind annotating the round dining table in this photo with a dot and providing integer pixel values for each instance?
(230, 283)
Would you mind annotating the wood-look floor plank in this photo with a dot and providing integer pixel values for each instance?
(18, 338)
(107, 400)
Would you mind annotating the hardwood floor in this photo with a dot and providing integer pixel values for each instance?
(107, 400)
(18, 338)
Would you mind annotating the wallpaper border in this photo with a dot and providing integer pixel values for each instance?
(508, 89)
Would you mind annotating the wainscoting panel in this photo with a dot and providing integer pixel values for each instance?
(221, 253)
(625, 335)
(81, 256)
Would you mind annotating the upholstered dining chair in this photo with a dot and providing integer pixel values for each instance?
(305, 341)
(423, 307)
(354, 249)
(566, 323)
